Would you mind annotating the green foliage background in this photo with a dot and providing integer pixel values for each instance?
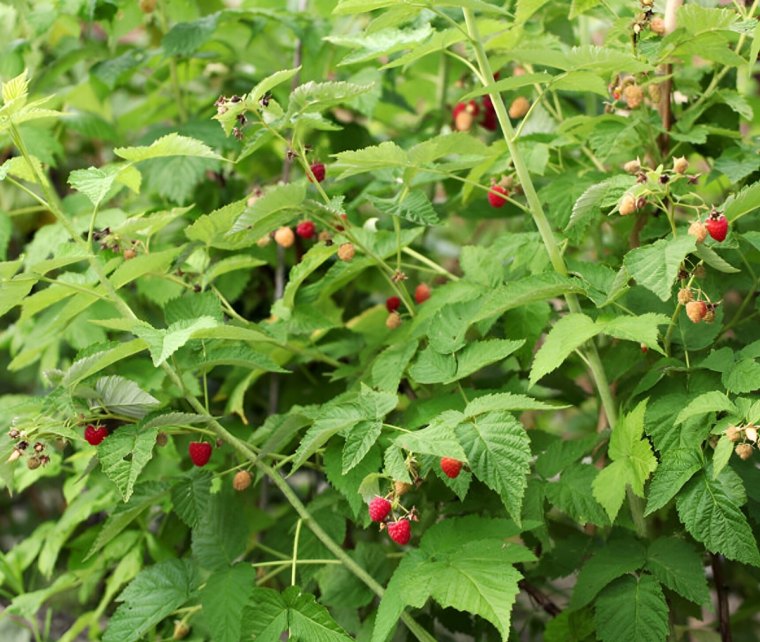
(148, 153)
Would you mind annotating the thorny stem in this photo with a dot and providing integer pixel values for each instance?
(243, 448)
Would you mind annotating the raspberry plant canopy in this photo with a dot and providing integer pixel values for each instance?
(379, 320)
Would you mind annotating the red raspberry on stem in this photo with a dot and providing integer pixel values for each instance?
(319, 171)
(200, 452)
(717, 226)
(497, 196)
(422, 293)
(464, 115)
(392, 303)
(379, 509)
(306, 229)
(451, 467)
(400, 531)
(95, 435)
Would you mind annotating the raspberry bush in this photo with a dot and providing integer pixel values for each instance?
(379, 320)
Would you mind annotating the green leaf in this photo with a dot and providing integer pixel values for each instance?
(709, 509)
(319, 96)
(223, 599)
(311, 261)
(616, 558)
(413, 206)
(124, 454)
(676, 467)
(93, 363)
(632, 609)
(390, 365)
(572, 495)
(677, 565)
(722, 454)
(154, 262)
(438, 439)
(656, 266)
(124, 397)
(269, 614)
(185, 38)
(568, 334)
(270, 82)
(96, 183)
(369, 159)
(498, 451)
(221, 534)
(743, 202)
(506, 401)
(154, 594)
(632, 462)
(478, 354)
(713, 401)
(743, 377)
(277, 206)
(640, 329)
(191, 496)
(163, 343)
(561, 453)
(358, 442)
(169, 145)
(714, 260)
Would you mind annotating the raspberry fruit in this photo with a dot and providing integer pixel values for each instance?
(319, 171)
(750, 432)
(129, 254)
(379, 509)
(401, 488)
(422, 293)
(684, 296)
(346, 251)
(241, 480)
(392, 303)
(95, 434)
(657, 25)
(401, 531)
(451, 467)
(680, 165)
(489, 120)
(284, 237)
(633, 166)
(696, 311)
(497, 196)
(743, 450)
(627, 204)
(519, 107)
(698, 230)
(306, 229)
(200, 452)
(717, 226)
(633, 95)
(464, 115)
(393, 321)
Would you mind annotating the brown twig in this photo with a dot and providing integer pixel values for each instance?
(543, 600)
(724, 616)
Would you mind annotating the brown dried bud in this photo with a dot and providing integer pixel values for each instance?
(698, 230)
(264, 241)
(657, 25)
(641, 201)
(633, 166)
(750, 432)
(33, 463)
(346, 251)
(147, 6)
(241, 480)
(700, 272)
(680, 165)
(180, 630)
(684, 296)
(162, 439)
(129, 253)
(401, 488)
(14, 434)
(519, 107)
(744, 451)
(709, 314)
(39, 447)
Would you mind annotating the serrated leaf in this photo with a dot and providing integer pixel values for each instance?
(712, 401)
(319, 96)
(743, 377)
(154, 262)
(676, 467)
(506, 401)
(169, 145)
(591, 201)
(221, 533)
(274, 208)
(656, 266)
(709, 509)
(163, 343)
(414, 206)
(97, 182)
(369, 159)
(191, 496)
(743, 202)
(359, 440)
(438, 439)
(616, 558)
(568, 334)
(632, 609)
(478, 354)
(124, 397)
(572, 495)
(677, 565)
(155, 593)
(185, 38)
(223, 599)
(498, 451)
(124, 454)
(714, 260)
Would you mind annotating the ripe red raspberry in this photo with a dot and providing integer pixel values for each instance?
(497, 196)
(717, 226)
(379, 509)
(489, 120)
(95, 435)
(400, 531)
(306, 229)
(422, 293)
(451, 467)
(319, 171)
(200, 452)
(392, 303)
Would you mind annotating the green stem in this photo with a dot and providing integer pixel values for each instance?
(295, 552)
(537, 212)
